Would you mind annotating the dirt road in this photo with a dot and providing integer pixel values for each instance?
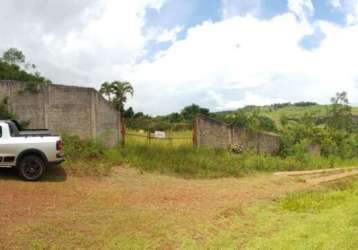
(91, 210)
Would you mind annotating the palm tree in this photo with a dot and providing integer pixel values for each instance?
(120, 91)
(106, 90)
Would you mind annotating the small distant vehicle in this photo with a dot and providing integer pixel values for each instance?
(30, 151)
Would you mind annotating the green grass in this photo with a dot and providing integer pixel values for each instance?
(324, 219)
(190, 162)
(296, 112)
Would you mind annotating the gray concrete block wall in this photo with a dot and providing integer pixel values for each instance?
(65, 109)
(69, 110)
(217, 134)
(24, 104)
(107, 122)
(268, 142)
(211, 133)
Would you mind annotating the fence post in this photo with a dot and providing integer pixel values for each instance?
(123, 133)
(195, 127)
(148, 136)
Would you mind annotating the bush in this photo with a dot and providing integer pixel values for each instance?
(76, 148)
(4, 111)
(253, 121)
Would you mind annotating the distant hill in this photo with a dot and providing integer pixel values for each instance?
(289, 110)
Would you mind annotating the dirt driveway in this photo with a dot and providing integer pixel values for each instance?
(79, 212)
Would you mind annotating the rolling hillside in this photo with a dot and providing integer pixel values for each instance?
(290, 111)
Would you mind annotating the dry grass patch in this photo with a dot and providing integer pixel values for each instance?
(131, 210)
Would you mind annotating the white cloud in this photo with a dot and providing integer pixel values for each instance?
(232, 55)
(249, 98)
(336, 3)
(237, 61)
(245, 60)
(349, 8)
(104, 33)
(169, 35)
(302, 8)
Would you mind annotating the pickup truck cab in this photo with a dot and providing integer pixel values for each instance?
(30, 151)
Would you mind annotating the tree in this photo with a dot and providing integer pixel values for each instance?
(252, 120)
(106, 90)
(189, 112)
(340, 113)
(120, 92)
(117, 92)
(129, 113)
(13, 56)
(174, 117)
(139, 115)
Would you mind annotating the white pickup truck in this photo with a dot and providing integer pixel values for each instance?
(30, 151)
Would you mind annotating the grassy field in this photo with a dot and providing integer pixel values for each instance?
(134, 210)
(319, 110)
(173, 138)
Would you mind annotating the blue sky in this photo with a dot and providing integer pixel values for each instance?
(222, 54)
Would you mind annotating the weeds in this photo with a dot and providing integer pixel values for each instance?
(91, 157)
(85, 157)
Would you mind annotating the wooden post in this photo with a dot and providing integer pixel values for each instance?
(123, 134)
(195, 127)
(169, 136)
(148, 136)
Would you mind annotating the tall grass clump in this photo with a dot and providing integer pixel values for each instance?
(85, 157)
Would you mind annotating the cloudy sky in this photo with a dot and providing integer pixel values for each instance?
(221, 54)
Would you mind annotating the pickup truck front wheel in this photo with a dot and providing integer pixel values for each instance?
(31, 168)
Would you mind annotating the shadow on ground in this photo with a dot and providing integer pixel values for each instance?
(53, 174)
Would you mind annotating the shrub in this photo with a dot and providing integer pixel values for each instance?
(76, 148)
(4, 111)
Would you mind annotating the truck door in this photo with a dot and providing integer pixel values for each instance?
(7, 154)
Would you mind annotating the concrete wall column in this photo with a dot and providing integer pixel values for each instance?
(9, 95)
(230, 132)
(46, 104)
(93, 101)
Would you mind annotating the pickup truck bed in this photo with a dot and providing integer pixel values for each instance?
(36, 133)
(16, 132)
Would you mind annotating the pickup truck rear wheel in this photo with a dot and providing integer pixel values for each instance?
(31, 168)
